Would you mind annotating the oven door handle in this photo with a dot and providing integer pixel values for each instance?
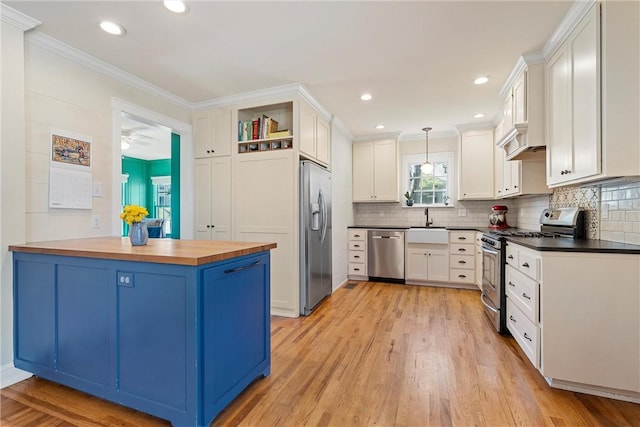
(495, 310)
(487, 250)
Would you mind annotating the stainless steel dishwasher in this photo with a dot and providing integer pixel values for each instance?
(386, 255)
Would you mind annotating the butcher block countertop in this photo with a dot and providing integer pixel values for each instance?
(163, 251)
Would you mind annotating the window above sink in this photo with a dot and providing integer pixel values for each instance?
(434, 189)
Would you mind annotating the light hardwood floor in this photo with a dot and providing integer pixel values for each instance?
(372, 354)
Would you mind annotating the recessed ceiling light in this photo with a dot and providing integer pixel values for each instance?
(176, 6)
(366, 97)
(380, 127)
(478, 116)
(481, 80)
(112, 28)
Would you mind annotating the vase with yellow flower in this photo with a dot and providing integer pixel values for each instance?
(134, 215)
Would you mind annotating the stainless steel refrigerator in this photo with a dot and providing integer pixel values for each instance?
(315, 235)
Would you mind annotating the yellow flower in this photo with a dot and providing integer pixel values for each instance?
(133, 213)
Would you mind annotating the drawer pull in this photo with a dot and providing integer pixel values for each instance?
(356, 246)
(462, 250)
(356, 269)
(527, 337)
(238, 269)
(511, 284)
(512, 319)
(356, 256)
(462, 276)
(462, 262)
(526, 265)
(525, 296)
(356, 235)
(510, 257)
(462, 238)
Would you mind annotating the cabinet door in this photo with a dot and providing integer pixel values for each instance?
(221, 199)
(476, 165)
(307, 135)
(203, 186)
(385, 178)
(438, 265)
(202, 135)
(559, 146)
(222, 132)
(586, 98)
(519, 92)
(323, 141)
(498, 171)
(417, 264)
(362, 172)
(507, 118)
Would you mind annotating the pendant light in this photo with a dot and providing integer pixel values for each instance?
(426, 167)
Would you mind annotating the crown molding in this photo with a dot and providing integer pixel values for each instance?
(377, 136)
(569, 22)
(49, 43)
(337, 123)
(528, 58)
(241, 98)
(17, 19)
(475, 126)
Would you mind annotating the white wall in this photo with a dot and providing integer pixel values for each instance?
(57, 93)
(342, 207)
(12, 171)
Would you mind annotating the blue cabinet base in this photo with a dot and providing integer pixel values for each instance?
(178, 342)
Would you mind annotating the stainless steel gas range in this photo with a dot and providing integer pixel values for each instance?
(560, 223)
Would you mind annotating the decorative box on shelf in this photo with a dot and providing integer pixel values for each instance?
(265, 145)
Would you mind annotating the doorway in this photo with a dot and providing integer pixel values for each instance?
(152, 168)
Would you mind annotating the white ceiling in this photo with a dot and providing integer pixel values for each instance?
(147, 141)
(418, 59)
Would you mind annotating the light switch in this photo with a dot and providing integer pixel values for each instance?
(97, 189)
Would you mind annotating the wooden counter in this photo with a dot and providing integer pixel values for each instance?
(176, 328)
(165, 251)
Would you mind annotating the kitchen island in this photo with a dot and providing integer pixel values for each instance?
(176, 328)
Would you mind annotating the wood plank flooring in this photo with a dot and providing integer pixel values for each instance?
(373, 355)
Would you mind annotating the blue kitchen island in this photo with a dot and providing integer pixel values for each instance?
(176, 328)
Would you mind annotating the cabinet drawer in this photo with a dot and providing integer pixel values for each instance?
(462, 236)
(461, 276)
(524, 331)
(462, 261)
(357, 257)
(461, 249)
(357, 269)
(359, 234)
(523, 292)
(357, 246)
(529, 264)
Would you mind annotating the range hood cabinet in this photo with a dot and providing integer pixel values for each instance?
(517, 146)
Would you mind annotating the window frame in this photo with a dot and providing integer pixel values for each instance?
(447, 157)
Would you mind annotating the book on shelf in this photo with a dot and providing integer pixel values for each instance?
(280, 134)
(256, 129)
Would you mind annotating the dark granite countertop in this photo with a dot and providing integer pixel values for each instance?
(550, 244)
(453, 227)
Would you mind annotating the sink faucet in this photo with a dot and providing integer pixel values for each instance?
(426, 214)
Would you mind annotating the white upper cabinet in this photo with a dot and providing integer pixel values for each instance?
(592, 101)
(212, 133)
(315, 135)
(375, 171)
(476, 165)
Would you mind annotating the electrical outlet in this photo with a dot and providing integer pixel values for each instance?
(96, 221)
(125, 279)
(462, 212)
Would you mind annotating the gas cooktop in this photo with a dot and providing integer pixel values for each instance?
(525, 233)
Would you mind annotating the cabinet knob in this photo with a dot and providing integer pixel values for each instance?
(512, 319)
(506, 189)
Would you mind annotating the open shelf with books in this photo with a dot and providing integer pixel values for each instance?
(265, 123)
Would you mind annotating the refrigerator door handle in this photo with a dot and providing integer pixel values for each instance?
(323, 210)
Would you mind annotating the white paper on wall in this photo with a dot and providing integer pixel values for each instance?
(70, 174)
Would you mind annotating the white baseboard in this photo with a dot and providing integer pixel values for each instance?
(340, 285)
(627, 396)
(10, 375)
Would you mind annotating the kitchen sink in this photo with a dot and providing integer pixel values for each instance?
(438, 235)
(429, 227)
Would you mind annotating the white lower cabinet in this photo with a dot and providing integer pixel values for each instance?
(462, 250)
(358, 254)
(426, 262)
(579, 322)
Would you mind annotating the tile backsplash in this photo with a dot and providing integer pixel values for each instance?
(612, 211)
(620, 212)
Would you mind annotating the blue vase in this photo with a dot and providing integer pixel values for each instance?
(138, 234)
